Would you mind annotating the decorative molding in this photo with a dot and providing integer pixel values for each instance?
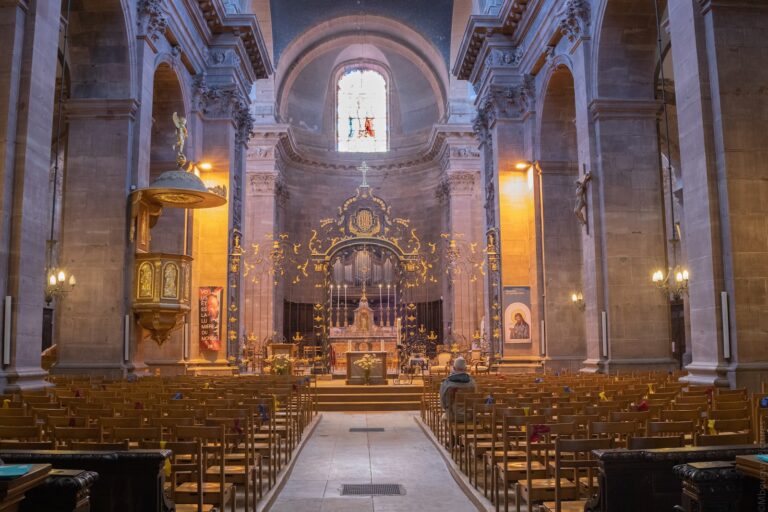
(262, 183)
(242, 26)
(615, 108)
(100, 108)
(509, 102)
(510, 58)
(260, 152)
(218, 58)
(221, 102)
(576, 20)
(479, 27)
(152, 19)
(461, 182)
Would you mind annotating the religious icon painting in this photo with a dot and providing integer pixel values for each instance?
(516, 302)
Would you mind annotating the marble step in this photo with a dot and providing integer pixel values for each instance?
(369, 406)
(368, 397)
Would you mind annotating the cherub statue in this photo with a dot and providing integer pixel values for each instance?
(181, 134)
(581, 198)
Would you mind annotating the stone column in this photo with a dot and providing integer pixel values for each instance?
(227, 125)
(461, 192)
(561, 263)
(502, 124)
(723, 145)
(264, 189)
(29, 37)
(94, 234)
(628, 221)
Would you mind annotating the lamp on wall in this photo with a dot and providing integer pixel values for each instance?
(57, 281)
(577, 298)
(674, 282)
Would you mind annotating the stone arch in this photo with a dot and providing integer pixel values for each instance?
(167, 98)
(626, 52)
(100, 54)
(557, 155)
(557, 116)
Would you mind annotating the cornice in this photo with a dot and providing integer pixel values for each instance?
(557, 167)
(708, 5)
(617, 108)
(455, 140)
(99, 108)
(243, 26)
(479, 27)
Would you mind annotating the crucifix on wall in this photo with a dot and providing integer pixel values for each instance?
(580, 209)
(364, 169)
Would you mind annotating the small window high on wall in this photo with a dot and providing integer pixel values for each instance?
(361, 112)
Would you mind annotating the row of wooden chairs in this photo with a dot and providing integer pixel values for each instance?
(531, 438)
(224, 433)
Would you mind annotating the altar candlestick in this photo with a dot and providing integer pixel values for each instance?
(345, 305)
(386, 322)
(330, 309)
(381, 309)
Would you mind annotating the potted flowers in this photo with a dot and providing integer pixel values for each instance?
(367, 362)
(280, 364)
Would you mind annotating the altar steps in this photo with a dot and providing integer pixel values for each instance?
(369, 398)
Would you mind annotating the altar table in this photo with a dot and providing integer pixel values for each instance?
(356, 375)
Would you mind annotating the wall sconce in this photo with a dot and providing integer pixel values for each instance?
(578, 300)
(674, 283)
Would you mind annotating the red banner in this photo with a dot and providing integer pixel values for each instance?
(210, 317)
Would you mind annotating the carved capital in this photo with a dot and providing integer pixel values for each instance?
(151, 18)
(218, 57)
(461, 182)
(576, 19)
(508, 102)
(260, 153)
(224, 102)
(262, 183)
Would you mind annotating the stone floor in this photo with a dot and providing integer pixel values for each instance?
(401, 454)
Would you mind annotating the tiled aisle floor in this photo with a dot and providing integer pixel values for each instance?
(401, 454)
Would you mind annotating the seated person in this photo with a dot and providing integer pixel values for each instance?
(458, 379)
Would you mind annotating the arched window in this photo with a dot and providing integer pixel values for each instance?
(361, 111)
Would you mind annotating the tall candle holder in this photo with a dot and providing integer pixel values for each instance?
(381, 309)
(386, 319)
(346, 318)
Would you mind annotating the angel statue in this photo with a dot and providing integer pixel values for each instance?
(181, 135)
(581, 198)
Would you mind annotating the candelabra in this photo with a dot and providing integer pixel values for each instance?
(674, 283)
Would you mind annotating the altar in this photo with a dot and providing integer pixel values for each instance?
(363, 335)
(356, 375)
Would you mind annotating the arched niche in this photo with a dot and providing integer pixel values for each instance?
(627, 51)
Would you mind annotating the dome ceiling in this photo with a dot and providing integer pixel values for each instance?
(430, 18)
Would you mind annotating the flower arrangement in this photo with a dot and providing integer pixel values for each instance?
(367, 362)
(280, 364)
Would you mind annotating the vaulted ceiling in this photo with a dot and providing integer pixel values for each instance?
(430, 18)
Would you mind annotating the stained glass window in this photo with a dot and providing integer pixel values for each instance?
(361, 116)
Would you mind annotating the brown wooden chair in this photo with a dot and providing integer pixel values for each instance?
(573, 458)
(723, 439)
(187, 465)
(214, 441)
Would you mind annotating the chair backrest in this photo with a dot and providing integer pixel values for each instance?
(62, 436)
(186, 459)
(573, 457)
(671, 428)
(649, 443)
(619, 431)
(99, 446)
(25, 433)
(723, 439)
(137, 434)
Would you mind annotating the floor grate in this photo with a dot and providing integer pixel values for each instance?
(372, 490)
(366, 429)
